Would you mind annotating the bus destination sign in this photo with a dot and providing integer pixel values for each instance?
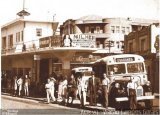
(127, 59)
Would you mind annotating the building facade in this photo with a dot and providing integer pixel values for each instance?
(145, 42)
(20, 41)
(32, 48)
(109, 32)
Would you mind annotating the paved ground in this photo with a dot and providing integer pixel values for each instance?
(38, 106)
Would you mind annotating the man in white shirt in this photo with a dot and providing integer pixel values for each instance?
(82, 88)
(48, 87)
(105, 87)
(132, 86)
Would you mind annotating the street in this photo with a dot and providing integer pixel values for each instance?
(28, 106)
(32, 106)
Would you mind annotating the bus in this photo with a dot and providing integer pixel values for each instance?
(85, 71)
(120, 69)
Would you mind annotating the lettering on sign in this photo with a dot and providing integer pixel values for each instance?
(128, 59)
(80, 40)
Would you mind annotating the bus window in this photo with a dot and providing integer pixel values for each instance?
(116, 69)
(135, 67)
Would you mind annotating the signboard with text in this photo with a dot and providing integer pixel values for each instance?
(79, 40)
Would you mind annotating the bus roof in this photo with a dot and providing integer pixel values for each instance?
(82, 69)
(121, 58)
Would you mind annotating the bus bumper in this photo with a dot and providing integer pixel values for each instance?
(118, 99)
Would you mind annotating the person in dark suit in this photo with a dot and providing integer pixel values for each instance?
(93, 85)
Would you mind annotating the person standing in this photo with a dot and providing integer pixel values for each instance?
(93, 86)
(82, 88)
(20, 84)
(53, 80)
(48, 87)
(105, 89)
(26, 85)
(131, 87)
(71, 89)
(15, 85)
(64, 89)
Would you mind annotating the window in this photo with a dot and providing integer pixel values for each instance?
(86, 29)
(3, 42)
(112, 29)
(117, 29)
(118, 44)
(123, 30)
(18, 37)
(98, 29)
(122, 45)
(39, 32)
(143, 45)
(92, 30)
(10, 41)
(116, 69)
(135, 67)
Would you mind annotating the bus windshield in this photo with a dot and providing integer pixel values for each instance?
(116, 69)
(135, 67)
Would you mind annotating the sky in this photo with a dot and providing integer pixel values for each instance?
(74, 9)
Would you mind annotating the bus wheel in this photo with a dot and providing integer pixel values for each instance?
(148, 104)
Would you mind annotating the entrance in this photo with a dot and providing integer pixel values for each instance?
(44, 70)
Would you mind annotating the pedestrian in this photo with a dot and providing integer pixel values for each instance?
(64, 89)
(9, 84)
(48, 87)
(93, 86)
(82, 89)
(15, 85)
(53, 80)
(20, 84)
(71, 89)
(131, 87)
(105, 89)
(60, 83)
(26, 85)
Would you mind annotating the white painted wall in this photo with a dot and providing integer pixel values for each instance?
(30, 32)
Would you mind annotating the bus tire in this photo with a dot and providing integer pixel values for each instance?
(148, 104)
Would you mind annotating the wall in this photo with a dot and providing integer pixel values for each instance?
(30, 32)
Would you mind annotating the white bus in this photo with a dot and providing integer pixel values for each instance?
(120, 69)
(84, 71)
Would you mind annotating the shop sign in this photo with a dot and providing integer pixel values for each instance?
(85, 59)
(79, 40)
(44, 42)
(56, 41)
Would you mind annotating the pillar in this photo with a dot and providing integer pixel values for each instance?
(66, 67)
(65, 57)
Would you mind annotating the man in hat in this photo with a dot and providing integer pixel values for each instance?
(93, 85)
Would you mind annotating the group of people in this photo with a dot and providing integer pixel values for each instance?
(21, 85)
(78, 87)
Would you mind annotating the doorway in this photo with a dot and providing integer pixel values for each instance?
(44, 70)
